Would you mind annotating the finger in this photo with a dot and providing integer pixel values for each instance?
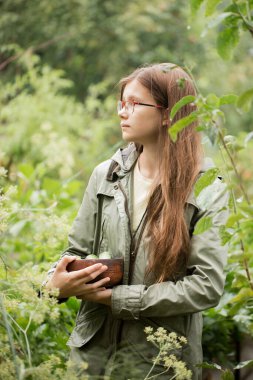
(86, 288)
(62, 264)
(91, 291)
(89, 273)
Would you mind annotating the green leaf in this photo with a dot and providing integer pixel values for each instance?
(203, 225)
(181, 124)
(211, 6)
(239, 281)
(245, 99)
(52, 186)
(233, 219)
(217, 20)
(200, 128)
(182, 102)
(73, 187)
(246, 364)
(246, 208)
(16, 228)
(205, 180)
(243, 295)
(26, 169)
(213, 100)
(225, 236)
(195, 5)
(227, 41)
(227, 375)
(209, 365)
(228, 99)
(248, 138)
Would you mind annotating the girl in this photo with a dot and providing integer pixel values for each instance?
(144, 196)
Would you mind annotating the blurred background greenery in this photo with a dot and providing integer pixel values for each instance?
(60, 62)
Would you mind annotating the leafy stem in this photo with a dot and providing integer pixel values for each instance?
(246, 22)
(234, 166)
(245, 262)
(26, 339)
(153, 366)
(9, 333)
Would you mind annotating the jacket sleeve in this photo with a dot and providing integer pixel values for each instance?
(198, 291)
(81, 236)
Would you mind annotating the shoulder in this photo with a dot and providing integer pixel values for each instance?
(99, 173)
(102, 169)
(213, 196)
(210, 190)
(98, 182)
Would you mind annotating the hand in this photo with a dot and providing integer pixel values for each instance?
(100, 296)
(76, 283)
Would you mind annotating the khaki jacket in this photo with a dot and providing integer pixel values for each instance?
(102, 333)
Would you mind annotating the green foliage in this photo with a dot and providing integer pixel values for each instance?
(35, 326)
(195, 5)
(246, 364)
(235, 308)
(233, 16)
(182, 102)
(245, 99)
(116, 36)
(205, 180)
(181, 124)
(211, 6)
(202, 225)
(227, 41)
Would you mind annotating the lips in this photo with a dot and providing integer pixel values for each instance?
(124, 126)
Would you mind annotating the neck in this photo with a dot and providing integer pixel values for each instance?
(148, 161)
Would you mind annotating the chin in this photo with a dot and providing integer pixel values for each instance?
(126, 138)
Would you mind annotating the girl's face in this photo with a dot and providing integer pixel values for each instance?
(142, 126)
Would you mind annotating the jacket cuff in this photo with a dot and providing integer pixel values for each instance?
(126, 301)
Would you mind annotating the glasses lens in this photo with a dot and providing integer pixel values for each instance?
(129, 106)
(119, 106)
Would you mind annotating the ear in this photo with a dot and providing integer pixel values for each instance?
(166, 119)
(165, 123)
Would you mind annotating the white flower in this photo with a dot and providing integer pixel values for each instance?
(3, 172)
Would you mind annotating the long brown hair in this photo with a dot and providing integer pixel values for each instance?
(179, 164)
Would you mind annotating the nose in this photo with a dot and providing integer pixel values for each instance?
(122, 113)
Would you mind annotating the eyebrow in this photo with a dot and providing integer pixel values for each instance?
(132, 97)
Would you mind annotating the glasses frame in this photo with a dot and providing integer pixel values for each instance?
(122, 103)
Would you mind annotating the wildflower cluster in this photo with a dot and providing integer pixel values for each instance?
(56, 150)
(32, 322)
(167, 343)
(5, 197)
(51, 230)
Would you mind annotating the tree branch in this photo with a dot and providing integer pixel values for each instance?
(41, 46)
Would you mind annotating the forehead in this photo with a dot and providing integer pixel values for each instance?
(134, 90)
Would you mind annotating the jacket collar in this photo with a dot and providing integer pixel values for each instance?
(122, 162)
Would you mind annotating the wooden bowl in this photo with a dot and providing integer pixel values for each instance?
(115, 269)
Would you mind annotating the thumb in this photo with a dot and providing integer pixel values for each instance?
(63, 263)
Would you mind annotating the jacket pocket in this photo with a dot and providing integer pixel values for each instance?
(87, 326)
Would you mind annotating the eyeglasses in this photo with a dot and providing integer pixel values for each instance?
(129, 105)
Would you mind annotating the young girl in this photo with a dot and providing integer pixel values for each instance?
(144, 198)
